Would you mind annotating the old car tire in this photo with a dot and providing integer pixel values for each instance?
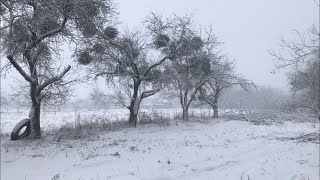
(15, 132)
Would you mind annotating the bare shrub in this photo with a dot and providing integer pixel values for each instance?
(273, 117)
(311, 137)
(289, 107)
(84, 127)
(193, 115)
(305, 138)
(154, 117)
(177, 116)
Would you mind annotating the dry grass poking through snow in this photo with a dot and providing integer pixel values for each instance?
(87, 127)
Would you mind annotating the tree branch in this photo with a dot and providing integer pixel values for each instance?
(152, 92)
(21, 71)
(205, 97)
(48, 34)
(193, 94)
(105, 73)
(119, 62)
(154, 65)
(5, 4)
(52, 80)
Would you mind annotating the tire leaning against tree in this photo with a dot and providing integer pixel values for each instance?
(15, 132)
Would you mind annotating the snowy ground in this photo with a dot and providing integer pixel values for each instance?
(206, 149)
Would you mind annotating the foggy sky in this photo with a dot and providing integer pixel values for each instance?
(248, 28)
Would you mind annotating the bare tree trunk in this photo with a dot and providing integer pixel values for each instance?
(184, 105)
(215, 109)
(215, 112)
(134, 105)
(133, 118)
(35, 121)
(185, 113)
(215, 105)
(35, 109)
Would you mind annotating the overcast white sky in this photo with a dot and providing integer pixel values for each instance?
(248, 28)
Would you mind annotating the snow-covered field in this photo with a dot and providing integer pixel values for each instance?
(203, 149)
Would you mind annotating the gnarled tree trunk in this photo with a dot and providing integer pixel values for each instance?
(215, 112)
(185, 113)
(215, 106)
(212, 101)
(133, 117)
(35, 121)
(35, 112)
(134, 105)
(185, 105)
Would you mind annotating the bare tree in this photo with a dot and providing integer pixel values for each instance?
(32, 33)
(184, 78)
(190, 67)
(222, 77)
(129, 62)
(305, 83)
(303, 56)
